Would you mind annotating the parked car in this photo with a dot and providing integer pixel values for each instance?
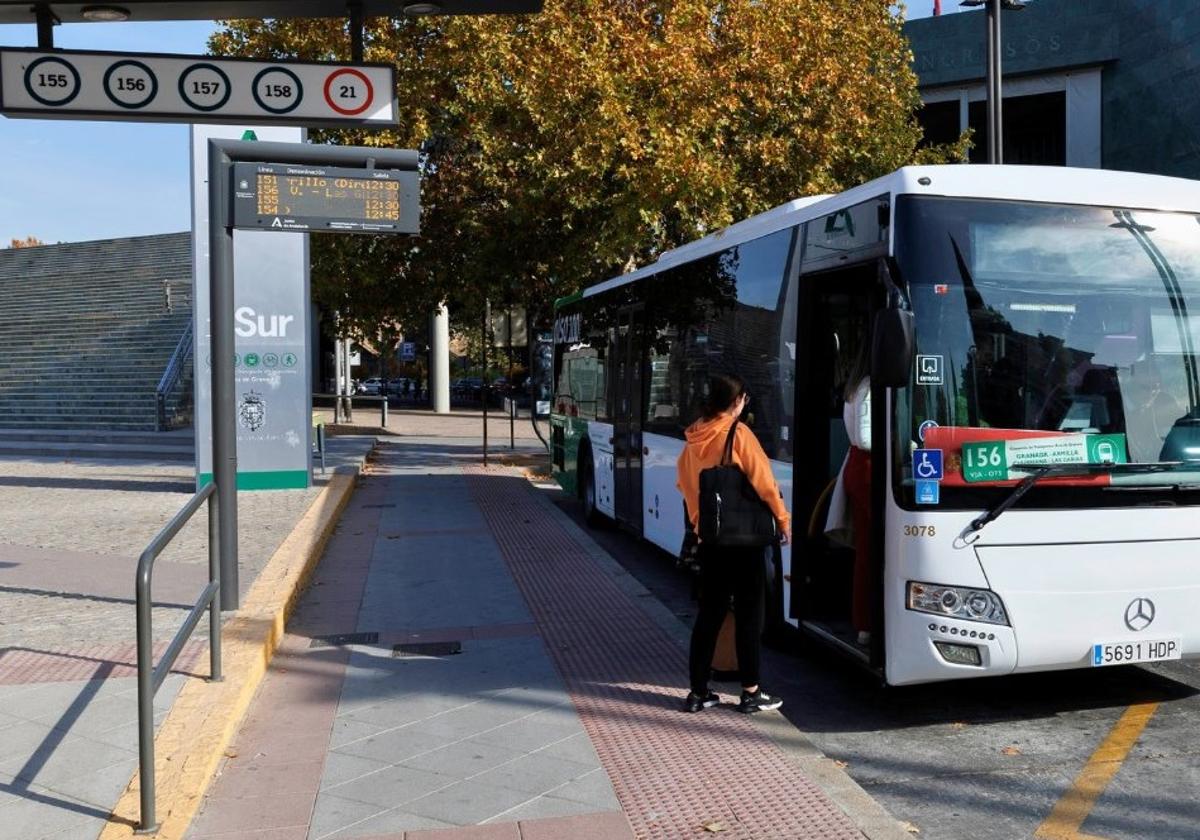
(398, 386)
(372, 387)
(468, 386)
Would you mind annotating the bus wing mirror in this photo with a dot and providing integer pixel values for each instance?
(892, 348)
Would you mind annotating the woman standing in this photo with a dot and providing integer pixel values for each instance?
(856, 476)
(727, 571)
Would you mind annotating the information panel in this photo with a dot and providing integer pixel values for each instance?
(194, 89)
(272, 337)
(287, 197)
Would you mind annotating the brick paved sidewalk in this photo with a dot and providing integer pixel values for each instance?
(548, 708)
(70, 534)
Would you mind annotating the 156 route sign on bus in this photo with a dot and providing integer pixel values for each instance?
(194, 89)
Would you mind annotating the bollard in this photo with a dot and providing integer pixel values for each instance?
(321, 445)
(383, 412)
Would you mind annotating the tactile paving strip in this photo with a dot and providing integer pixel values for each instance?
(673, 773)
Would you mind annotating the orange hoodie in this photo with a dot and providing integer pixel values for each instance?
(705, 445)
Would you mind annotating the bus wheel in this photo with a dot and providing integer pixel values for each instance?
(587, 479)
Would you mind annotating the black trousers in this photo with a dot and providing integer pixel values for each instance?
(726, 572)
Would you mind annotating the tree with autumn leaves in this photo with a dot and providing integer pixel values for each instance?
(566, 147)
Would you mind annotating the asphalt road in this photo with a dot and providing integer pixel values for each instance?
(984, 759)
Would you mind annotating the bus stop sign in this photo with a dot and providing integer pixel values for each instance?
(148, 87)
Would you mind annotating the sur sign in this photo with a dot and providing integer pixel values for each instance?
(272, 337)
(194, 89)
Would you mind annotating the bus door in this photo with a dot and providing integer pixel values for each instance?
(627, 363)
(834, 329)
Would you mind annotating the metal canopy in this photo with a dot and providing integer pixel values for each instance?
(26, 11)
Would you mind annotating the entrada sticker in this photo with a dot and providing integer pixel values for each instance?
(930, 370)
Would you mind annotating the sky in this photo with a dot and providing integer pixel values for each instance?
(136, 174)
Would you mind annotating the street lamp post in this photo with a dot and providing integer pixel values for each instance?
(995, 97)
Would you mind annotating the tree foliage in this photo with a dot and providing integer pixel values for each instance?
(563, 148)
(27, 242)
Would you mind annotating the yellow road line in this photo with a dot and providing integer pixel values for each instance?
(1073, 808)
(205, 716)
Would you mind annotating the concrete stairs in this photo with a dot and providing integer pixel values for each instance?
(86, 331)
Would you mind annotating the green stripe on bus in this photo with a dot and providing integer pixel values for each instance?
(569, 299)
(269, 480)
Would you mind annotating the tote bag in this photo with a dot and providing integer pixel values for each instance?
(731, 511)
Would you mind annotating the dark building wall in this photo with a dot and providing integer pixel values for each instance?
(1149, 51)
(1152, 103)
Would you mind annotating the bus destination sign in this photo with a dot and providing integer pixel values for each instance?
(292, 197)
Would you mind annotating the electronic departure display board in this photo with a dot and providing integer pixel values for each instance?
(292, 197)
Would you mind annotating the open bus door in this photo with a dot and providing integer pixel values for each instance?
(835, 327)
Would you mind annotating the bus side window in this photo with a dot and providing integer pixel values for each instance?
(662, 402)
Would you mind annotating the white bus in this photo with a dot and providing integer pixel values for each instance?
(1035, 394)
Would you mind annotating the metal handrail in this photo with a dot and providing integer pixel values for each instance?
(172, 374)
(150, 676)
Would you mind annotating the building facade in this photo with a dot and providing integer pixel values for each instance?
(1092, 83)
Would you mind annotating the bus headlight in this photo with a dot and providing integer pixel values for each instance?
(956, 602)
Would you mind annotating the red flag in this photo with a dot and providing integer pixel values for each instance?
(937, 7)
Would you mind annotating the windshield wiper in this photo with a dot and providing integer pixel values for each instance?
(994, 512)
(1041, 471)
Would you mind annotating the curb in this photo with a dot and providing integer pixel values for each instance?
(870, 817)
(205, 716)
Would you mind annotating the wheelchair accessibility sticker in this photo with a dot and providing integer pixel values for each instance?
(927, 464)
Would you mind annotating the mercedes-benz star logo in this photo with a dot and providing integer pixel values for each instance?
(1139, 614)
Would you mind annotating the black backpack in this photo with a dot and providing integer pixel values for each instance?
(731, 511)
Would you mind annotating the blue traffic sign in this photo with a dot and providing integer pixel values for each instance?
(927, 464)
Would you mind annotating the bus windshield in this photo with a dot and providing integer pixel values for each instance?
(1049, 334)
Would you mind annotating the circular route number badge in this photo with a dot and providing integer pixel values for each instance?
(349, 91)
(204, 87)
(278, 90)
(52, 81)
(130, 84)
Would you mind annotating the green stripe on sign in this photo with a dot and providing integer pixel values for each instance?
(270, 480)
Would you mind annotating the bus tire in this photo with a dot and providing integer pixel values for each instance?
(587, 492)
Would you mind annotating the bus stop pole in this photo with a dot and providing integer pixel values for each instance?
(224, 398)
(512, 403)
(221, 155)
(483, 381)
